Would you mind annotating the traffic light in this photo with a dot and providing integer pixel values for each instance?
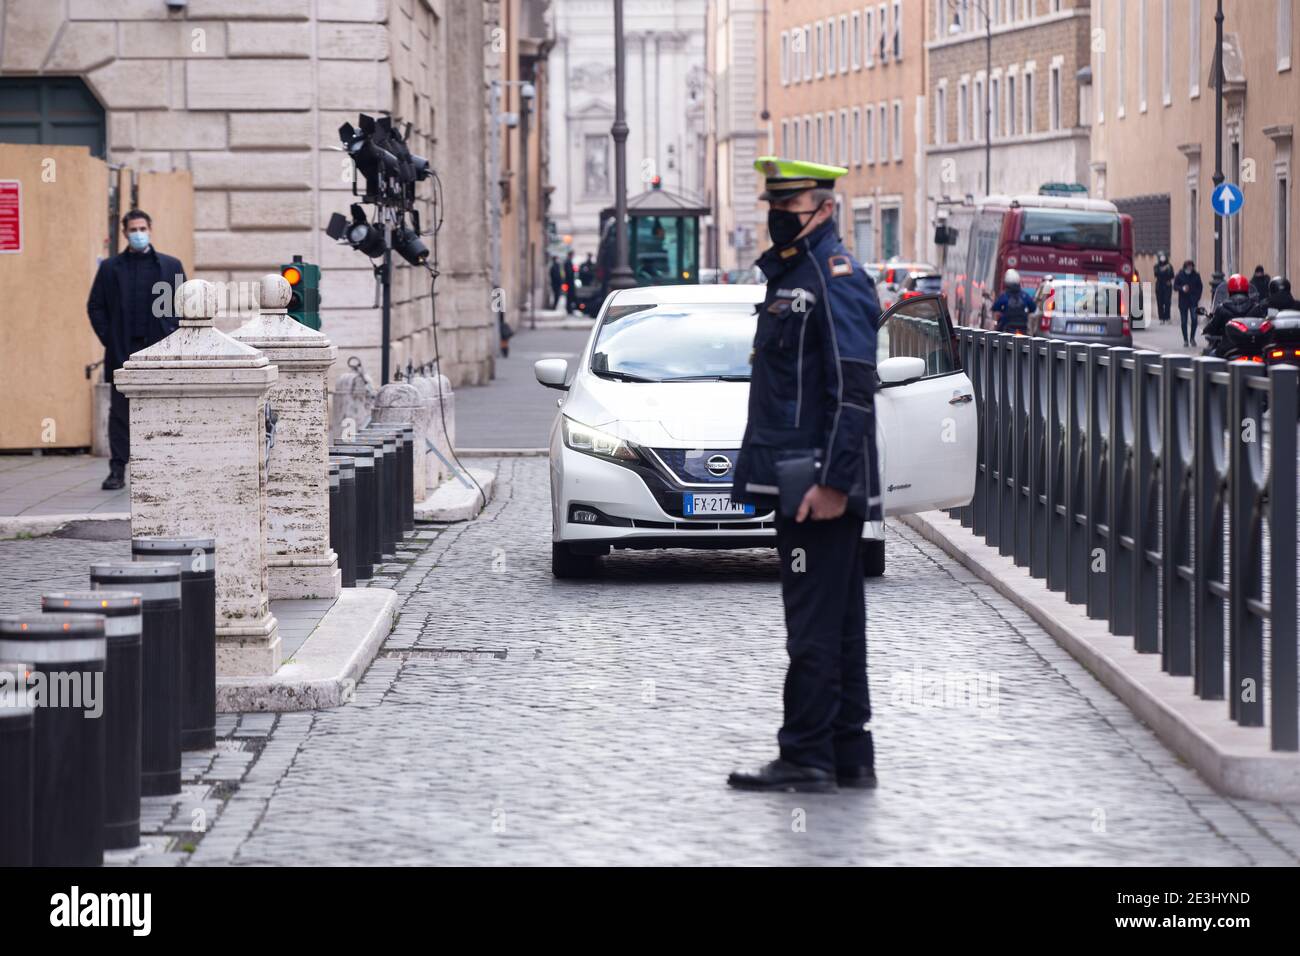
(304, 283)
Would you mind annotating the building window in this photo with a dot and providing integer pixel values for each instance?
(1054, 107)
(864, 234)
(889, 232)
(807, 138)
(1194, 50)
(844, 43)
(1283, 39)
(898, 31)
(1166, 68)
(883, 46)
(1282, 215)
(1121, 59)
(1099, 72)
(898, 131)
(855, 39)
(869, 129)
(1193, 210)
(995, 96)
(596, 164)
(1029, 100)
(819, 139)
(844, 137)
(794, 140)
(963, 111)
(856, 148)
(1142, 56)
(940, 115)
(807, 53)
(832, 140)
(785, 138)
(884, 134)
(785, 57)
(1011, 105)
(977, 109)
(818, 49)
(869, 37)
(830, 46)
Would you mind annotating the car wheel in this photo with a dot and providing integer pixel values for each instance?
(873, 558)
(566, 564)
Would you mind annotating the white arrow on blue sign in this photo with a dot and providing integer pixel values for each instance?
(1227, 199)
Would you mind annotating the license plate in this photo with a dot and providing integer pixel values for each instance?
(1087, 328)
(713, 505)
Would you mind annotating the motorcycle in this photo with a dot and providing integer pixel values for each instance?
(1244, 339)
(1284, 347)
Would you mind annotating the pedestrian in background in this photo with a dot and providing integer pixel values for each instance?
(557, 280)
(809, 454)
(1259, 283)
(131, 308)
(1164, 273)
(571, 280)
(1190, 288)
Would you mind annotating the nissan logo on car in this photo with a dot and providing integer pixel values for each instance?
(718, 465)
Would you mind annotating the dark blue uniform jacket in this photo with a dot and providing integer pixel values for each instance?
(814, 374)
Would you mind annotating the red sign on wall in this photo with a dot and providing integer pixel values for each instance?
(11, 215)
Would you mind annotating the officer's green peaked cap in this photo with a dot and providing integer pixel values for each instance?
(789, 177)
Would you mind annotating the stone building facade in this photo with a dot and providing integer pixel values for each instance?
(665, 92)
(248, 95)
(847, 87)
(1153, 137)
(1038, 94)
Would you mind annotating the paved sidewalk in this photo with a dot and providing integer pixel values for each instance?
(35, 485)
(516, 719)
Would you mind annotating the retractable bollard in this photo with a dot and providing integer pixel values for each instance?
(121, 704)
(386, 540)
(343, 516)
(365, 533)
(159, 586)
(405, 435)
(393, 483)
(17, 754)
(407, 404)
(66, 654)
(197, 557)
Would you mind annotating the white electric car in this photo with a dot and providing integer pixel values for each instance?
(645, 443)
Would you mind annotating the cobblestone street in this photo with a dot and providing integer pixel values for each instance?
(515, 719)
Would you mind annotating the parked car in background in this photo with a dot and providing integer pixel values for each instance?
(1076, 310)
(892, 274)
(921, 282)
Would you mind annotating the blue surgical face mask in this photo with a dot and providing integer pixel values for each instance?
(139, 241)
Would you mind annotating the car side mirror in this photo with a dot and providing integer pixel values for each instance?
(900, 370)
(552, 373)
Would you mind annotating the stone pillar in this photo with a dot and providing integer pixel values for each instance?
(299, 558)
(400, 403)
(353, 399)
(198, 465)
(439, 466)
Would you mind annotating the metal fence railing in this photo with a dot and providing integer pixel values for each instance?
(1158, 492)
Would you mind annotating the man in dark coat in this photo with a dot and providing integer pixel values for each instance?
(1164, 273)
(1259, 283)
(571, 277)
(1190, 288)
(131, 307)
(811, 396)
(557, 280)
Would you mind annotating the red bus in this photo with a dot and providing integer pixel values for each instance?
(1037, 236)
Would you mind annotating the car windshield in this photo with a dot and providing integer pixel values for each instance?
(667, 343)
(1070, 227)
(1088, 299)
(929, 284)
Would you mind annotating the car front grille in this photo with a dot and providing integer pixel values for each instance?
(690, 466)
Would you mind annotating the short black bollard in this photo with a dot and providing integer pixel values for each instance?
(159, 586)
(405, 433)
(122, 701)
(367, 534)
(384, 472)
(17, 753)
(343, 518)
(197, 556)
(393, 478)
(66, 653)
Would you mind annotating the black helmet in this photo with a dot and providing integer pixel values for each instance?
(1279, 286)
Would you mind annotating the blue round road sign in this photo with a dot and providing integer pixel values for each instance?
(1227, 199)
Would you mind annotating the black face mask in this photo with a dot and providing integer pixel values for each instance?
(784, 226)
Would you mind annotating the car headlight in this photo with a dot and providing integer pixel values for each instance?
(593, 441)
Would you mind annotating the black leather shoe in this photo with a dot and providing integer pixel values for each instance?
(781, 776)
(114, 481)
(856, 778)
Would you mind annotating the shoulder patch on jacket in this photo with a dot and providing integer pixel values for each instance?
(840, 265)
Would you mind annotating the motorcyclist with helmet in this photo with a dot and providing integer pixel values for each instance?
(1279, 298)
(1013, 307)
(1238, 305)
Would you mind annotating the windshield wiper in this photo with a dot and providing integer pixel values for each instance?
(621, 376)
(709, 378)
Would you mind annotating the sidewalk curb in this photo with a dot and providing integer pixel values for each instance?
(325, 669)
(453, 501)
(35, 526)
(1234, 760)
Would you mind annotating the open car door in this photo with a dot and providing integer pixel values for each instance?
(926, 424)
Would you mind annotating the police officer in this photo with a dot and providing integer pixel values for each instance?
(811, 396)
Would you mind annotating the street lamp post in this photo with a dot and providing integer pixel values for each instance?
(620, 276)
(1217, 277)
